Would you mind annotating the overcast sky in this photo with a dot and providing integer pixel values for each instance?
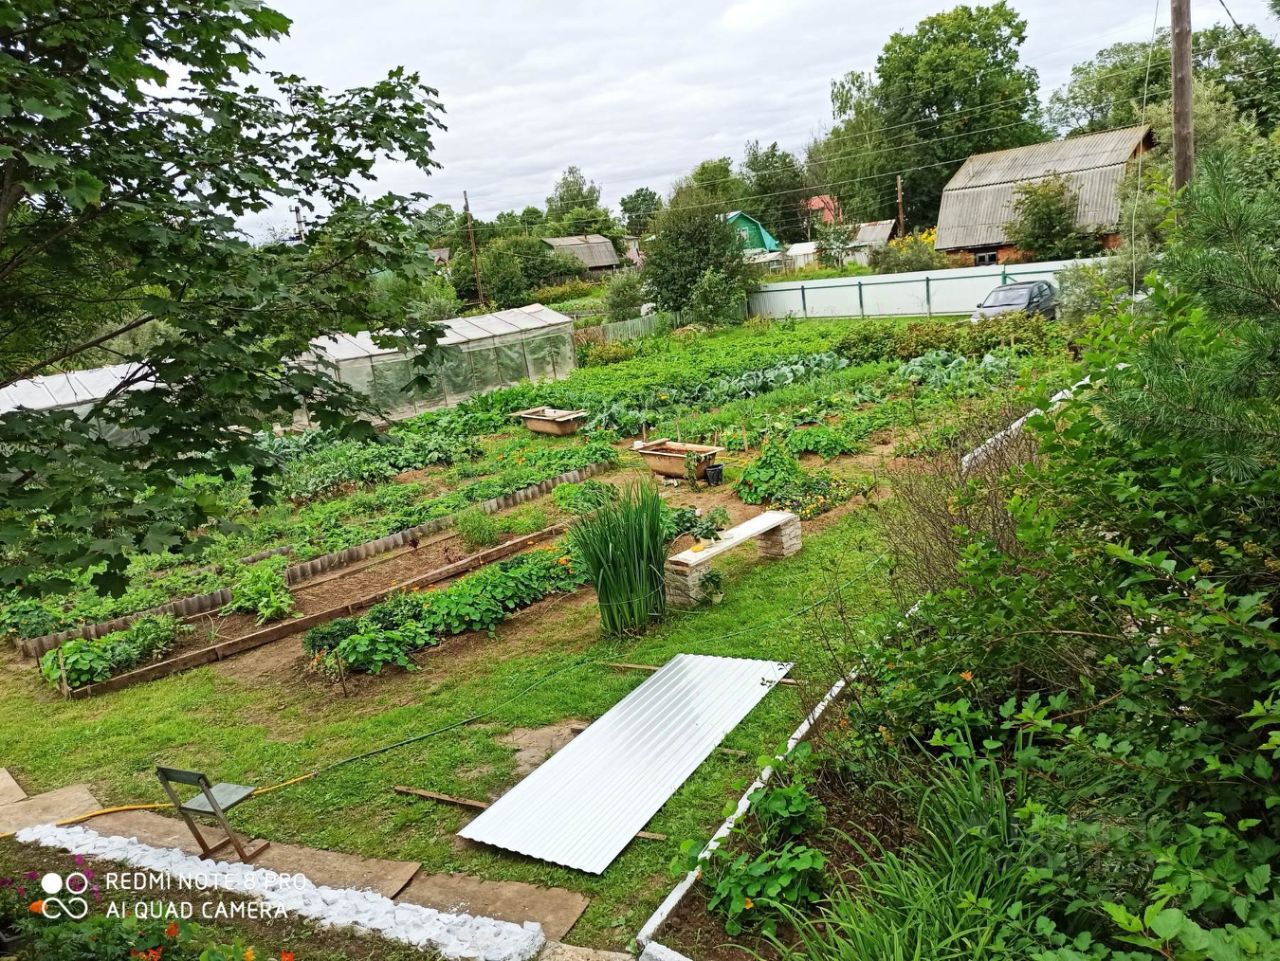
(635, 92)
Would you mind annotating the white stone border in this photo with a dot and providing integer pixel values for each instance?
(454, 936)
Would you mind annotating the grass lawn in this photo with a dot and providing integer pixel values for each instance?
(264, 728)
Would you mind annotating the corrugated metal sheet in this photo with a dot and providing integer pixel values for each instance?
(978, 201)
(874, 233)
(585, 804)
(594, 250)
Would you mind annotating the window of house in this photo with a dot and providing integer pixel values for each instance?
(984, 258)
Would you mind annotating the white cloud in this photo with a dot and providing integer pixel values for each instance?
(635, 92)
(754, 14)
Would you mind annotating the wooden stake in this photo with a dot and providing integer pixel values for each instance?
(481, 805)
(623, 666)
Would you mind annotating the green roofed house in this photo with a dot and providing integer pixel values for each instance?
(754, 237)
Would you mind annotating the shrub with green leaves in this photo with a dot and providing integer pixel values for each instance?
(600, 354)
(89, 661)
(870, 340)
(261, 589)
(624, 296)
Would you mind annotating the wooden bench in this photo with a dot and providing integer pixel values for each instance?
(778, 533)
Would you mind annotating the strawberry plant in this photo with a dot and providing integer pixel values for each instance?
(91, 660)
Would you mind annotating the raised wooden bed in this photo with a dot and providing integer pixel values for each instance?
(223, 650)
(552, 420)
(187, 607)
(667, 457)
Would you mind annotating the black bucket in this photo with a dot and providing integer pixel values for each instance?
(715, 475)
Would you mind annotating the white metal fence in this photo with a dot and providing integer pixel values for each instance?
(920, 293)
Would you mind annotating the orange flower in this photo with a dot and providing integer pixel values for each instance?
(172, 930)
(966, 675)
(286, 956)
(248, 954)
(36, 907)
(748, 904)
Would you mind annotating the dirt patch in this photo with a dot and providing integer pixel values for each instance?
(535, 744)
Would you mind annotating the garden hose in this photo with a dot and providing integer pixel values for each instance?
(347, 760)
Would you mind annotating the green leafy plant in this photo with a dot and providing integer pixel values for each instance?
(409, 621)
(325, 637)
(108, 938)
(585, 497)
(623, 550)
(477, 528)
(89, 661)
(261, 589)
(752, 891)
(785, 808)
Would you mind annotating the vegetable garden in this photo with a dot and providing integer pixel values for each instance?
(511, 585)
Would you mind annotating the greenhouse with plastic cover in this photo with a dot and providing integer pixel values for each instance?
(476, 354)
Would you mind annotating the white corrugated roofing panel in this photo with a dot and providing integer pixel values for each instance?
(585, 804)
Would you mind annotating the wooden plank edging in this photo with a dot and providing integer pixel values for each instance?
(197, 604)
(237, 645)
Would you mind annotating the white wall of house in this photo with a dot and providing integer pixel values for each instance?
(920, 293)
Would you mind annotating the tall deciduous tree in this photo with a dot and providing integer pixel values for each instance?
(952, 87)
(639, 208)
(854, 162)
(712, 182)
(1110, 89)
(775, 190)
(691, 238)
(572, 190)
(134, 136)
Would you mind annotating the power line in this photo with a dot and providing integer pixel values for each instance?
(894, 147)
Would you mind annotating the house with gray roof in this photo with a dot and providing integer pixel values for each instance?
(979, 199)
(594, 250)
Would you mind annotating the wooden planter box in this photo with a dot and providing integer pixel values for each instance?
(666, 457)
(549, 420)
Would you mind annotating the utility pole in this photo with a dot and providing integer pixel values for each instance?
(471, 236)
(1183, 125)
(902, 216)
(302, 228)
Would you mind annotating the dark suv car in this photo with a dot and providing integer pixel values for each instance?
(1029, 296)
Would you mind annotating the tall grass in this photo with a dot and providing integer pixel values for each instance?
(959, 892)
(624, 550)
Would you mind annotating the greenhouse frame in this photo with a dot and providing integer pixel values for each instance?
(475, 355)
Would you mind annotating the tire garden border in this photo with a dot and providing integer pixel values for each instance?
(304, 570)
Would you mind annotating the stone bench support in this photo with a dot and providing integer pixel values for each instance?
(778, 533)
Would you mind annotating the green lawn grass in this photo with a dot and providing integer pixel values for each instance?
(262, 731)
